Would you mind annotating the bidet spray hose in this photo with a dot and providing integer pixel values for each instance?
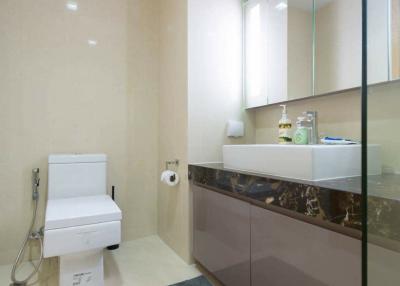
(28, 237)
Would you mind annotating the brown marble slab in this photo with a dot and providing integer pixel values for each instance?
(334, 204)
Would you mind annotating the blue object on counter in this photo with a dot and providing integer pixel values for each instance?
(337, 141)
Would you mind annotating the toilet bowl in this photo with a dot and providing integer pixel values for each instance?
(81, 219)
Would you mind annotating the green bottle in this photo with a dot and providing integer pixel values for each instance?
(301, 135)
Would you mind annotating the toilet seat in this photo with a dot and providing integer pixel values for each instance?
(80, 211)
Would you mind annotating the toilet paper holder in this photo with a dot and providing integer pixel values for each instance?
(172, 162)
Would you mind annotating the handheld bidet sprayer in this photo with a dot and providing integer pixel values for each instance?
(31, 235)
(35, 184)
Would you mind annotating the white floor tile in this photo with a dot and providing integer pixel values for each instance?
(146, 262)
(142, 262)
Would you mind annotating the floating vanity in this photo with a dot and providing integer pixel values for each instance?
(256, 229)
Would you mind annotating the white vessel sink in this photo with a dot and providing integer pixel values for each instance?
(304, 162)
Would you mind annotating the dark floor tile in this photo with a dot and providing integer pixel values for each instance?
(198, 281)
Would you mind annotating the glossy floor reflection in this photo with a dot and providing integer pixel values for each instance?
(143, 262)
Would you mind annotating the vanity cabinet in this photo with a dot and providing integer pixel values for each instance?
(286, 251)
(243, 244)
(221, 236)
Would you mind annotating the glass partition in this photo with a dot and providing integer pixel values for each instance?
(381, 104)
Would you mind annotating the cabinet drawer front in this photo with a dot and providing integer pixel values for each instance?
(221, 236)
(285, 251)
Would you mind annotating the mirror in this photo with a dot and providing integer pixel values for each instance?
(394, 38)
(338, 44)
(277, 35)
(378, 41)
(299, 48)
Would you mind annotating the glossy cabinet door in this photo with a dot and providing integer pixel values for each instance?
(221, 236)
(285, 251)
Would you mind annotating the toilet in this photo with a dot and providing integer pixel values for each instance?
(81, 219)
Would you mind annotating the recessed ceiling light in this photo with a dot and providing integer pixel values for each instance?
(281, 6)
(72, 5)
(92, 42)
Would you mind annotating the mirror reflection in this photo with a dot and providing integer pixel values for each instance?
(394, 38)
(299, 48)
(278, 37)
(338, 43)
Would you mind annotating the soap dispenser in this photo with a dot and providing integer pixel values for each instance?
(285, 127)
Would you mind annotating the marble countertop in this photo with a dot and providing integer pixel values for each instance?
(383, 186)
(333, 204)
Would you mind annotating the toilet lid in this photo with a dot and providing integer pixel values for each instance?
(70, 212)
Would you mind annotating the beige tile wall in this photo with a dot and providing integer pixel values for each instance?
(59, 94)
(340, 115)
(174, 203)
(143, 91)
(215, 77)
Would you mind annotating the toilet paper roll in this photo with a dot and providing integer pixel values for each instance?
(170, 178)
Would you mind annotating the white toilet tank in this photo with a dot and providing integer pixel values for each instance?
(72, 175)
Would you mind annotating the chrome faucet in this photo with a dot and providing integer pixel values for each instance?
(312, 124)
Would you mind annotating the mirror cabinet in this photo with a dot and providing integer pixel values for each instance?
(296, 49)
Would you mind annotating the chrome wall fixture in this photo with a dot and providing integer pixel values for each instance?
(172, 162)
